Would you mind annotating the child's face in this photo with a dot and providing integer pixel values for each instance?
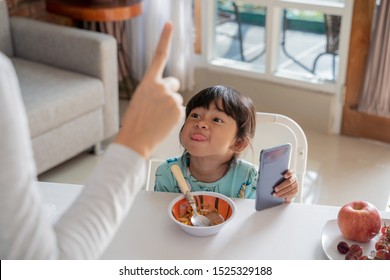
(209, 132)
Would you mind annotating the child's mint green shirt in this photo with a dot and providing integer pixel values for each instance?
(239, 182)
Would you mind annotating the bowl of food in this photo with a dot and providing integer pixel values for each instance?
(219, 208)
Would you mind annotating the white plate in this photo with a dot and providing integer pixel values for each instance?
(331, 236)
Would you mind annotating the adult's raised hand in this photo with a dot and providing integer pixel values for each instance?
(155, 107)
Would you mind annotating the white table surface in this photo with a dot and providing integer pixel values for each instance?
(61, 195)
(289, 231)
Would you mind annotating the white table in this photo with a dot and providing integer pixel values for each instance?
(290, 231)
(61, 195)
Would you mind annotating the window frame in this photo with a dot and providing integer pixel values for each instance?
(274, 9)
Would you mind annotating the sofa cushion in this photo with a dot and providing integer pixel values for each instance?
(53, 97)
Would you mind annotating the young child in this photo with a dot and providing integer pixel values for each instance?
(220, 123)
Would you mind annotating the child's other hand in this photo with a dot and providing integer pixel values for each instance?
(288, 189)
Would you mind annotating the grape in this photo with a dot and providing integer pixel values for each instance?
(354, 252)
(382, 254)
(380, 245)
(342, 247)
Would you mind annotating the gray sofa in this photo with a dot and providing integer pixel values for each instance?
(69, 83)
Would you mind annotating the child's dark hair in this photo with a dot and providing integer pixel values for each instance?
(235, 104)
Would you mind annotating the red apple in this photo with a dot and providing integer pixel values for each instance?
(359, 221)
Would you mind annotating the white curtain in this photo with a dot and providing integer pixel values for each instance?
(145, 32)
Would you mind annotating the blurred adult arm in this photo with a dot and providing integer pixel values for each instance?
(85, 230)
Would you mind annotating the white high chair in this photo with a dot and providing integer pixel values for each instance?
(271, 130)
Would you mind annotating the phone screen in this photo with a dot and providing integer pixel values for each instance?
(274, 162)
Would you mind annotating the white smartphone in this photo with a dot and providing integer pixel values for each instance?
(274, 162)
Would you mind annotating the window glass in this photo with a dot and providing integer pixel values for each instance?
(240, 32)
(309, 44)
(289, 41)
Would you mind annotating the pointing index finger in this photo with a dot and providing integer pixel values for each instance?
(160, 57)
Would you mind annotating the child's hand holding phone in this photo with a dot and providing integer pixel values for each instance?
(287, 189)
